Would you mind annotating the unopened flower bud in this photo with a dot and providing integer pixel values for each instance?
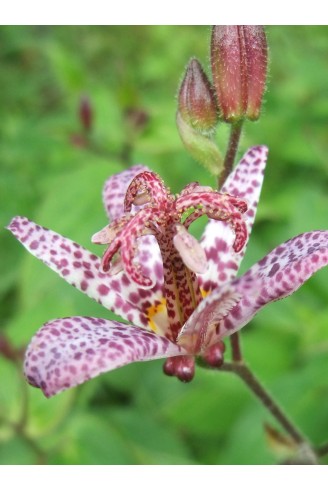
(214, 354)
(197, 104)
(239, 66)
(85, 113)
(169, 366)
(185, 370)
(183, 367)
(136, 118)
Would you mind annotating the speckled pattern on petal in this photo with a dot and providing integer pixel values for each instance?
(115, 189)
(68, 351)
(244, 182)
(289, 265)
(80, 268)
(274, 277)
(199, 332)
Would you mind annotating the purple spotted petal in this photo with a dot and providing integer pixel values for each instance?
(228, 308)
(80, 268)
(289, 265)
(199, 332)
(274, 277)
(244, 182)
(115, 189)
(68, 351)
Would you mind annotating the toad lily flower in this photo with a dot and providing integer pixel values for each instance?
(180, 297)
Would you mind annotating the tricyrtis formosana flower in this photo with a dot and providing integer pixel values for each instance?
(181, 297)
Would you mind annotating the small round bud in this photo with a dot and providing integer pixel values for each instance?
(214, 354)
(183, 367)
(185, 370)
(169, 366)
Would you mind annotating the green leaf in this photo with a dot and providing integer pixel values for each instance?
(17, 452)
(89, 439)
(151, 439)
(201, 148)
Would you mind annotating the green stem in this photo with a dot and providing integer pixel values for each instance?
(20, 432)
(231, 152)
(243, 371)
(227, 168)
(24, 402)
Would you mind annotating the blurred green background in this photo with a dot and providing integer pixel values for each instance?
(51, 174)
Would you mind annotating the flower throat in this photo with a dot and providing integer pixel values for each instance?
(159, 213)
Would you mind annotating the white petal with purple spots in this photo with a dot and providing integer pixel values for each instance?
(199, 332)
(289, 265)
(69, 351)
(80, 268)
(244, 182)
(191, 252)
(276, 276)
(115, 189)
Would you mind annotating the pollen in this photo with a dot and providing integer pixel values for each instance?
(204, 293)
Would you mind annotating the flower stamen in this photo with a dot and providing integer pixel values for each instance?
(160, 214)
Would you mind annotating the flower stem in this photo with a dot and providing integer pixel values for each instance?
(236, 353)
(322, 450)
(231, 152)
(243, 371)
(227, 168)
(20, 432)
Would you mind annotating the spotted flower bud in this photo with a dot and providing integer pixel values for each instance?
(197, 104)
(239, 66)
(85, 113)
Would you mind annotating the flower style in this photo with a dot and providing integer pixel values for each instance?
(180, 297)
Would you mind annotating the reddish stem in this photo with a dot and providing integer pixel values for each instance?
(231, 152)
